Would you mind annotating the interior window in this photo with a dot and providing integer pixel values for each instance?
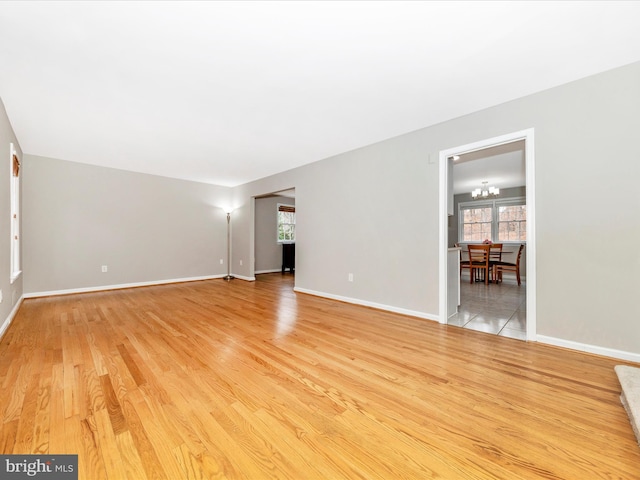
(286, 223)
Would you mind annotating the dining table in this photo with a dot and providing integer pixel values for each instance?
(494, 256)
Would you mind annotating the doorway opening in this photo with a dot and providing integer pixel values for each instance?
(274, 233)
(522, 140)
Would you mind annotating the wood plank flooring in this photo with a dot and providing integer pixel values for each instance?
(249, 380)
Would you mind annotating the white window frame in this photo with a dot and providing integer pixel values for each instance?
(493, 204)
(468, 206)
(508, 202)
(278, 224)
(15, 239)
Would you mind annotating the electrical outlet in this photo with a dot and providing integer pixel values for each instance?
(240, 262)
(0, 296)
(104, 269)
(221, 261)
(350, 278)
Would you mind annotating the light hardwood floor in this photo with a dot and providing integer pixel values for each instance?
(237, 379)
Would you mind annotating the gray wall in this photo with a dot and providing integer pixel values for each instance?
(374, 211)
(145, 228)
(363, 213)
(268, 252)
(11, 292)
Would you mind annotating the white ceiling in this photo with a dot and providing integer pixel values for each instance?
(502, 166)
(228, 92)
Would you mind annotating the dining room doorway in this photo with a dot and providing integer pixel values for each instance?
(270, 237)
(506, 309)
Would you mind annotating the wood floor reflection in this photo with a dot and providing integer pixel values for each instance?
(217, 379)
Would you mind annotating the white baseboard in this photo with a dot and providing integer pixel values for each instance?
(9, 319)
(365, 303)
(273, 270)
(242, 277)
(118, 286)
(584, 347)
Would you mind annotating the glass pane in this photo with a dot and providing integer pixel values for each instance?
(289, 217)
(512, 212)
(286, 233)
(476, 224)
(512, 231)
(286, 226)
(486, 231)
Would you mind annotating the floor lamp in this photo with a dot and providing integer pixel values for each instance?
(228, 276)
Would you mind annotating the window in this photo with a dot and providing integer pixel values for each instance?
(14, 163)
(503, 220)
(512, 223)
(286, 223)
(476, 223)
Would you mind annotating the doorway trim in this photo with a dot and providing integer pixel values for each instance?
(252, 233)
(528, 136)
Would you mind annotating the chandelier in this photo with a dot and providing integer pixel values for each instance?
(485, 192)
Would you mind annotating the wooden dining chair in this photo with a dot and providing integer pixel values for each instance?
(478, 261)
(495, 252)
(495, 256)
(499, 267)
(463, 263)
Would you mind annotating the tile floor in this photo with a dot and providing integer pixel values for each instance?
(499, 309)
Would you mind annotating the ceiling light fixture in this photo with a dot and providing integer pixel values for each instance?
(485, 192)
